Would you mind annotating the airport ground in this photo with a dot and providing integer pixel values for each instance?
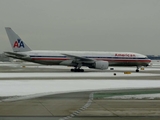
(61, 70)
(62, 105)
(80, 106)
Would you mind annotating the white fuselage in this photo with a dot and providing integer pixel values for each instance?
(114, 58)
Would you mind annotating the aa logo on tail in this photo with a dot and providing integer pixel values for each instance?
(18, 44)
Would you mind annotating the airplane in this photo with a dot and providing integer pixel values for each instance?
(76, 59)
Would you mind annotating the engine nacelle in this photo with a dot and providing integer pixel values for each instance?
(100, 65)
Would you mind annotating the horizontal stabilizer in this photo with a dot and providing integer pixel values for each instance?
(14, 54)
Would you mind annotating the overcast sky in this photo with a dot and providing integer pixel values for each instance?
(98, 25)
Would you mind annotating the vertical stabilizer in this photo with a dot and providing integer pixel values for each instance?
(16, 42)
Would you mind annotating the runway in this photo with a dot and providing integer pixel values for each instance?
(55, 93)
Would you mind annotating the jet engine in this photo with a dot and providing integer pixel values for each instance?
(100, 65)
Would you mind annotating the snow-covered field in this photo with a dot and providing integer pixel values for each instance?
(70, 75)
(27, 87)
(141, 96)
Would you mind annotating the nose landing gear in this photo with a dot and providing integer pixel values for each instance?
(137, 70)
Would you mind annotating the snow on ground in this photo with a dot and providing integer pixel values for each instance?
(70, 74)
(141, 96)
(27, 87)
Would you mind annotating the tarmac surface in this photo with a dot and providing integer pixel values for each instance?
(82, 105)
(63, 105)
(61, 70)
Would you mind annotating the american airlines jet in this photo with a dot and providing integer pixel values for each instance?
(77, 59)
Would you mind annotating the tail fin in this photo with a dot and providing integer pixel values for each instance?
(16, 43)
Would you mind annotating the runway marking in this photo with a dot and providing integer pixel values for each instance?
(77, 112)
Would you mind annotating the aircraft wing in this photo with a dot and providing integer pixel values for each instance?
(74, 57)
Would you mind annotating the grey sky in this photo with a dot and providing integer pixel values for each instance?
(98, 25)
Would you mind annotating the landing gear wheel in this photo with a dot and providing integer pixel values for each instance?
(72, 70)
(81, 70)
(137, 70)
(77, 70)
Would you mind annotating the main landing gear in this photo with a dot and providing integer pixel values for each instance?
(77, 70)
(137, 70)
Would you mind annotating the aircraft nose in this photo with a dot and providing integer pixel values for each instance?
(149, 62)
